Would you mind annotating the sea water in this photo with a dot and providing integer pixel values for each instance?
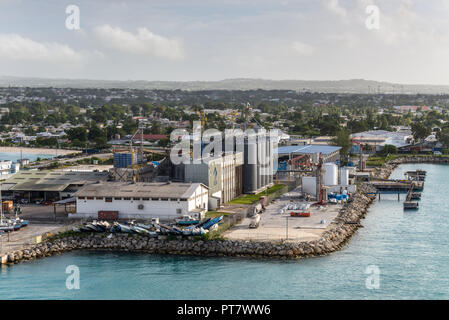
(14, 156)
(407, 248)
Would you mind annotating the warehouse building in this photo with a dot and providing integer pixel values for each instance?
(328, 153)
(48, 184)
(140, 200)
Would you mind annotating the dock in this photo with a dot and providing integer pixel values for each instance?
(411, 195)
(412, 187)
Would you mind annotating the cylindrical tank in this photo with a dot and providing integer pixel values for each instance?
(330, 176)
(250, 167)
(344, 176)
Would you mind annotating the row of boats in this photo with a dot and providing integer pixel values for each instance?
(12, 224)
(152, 229)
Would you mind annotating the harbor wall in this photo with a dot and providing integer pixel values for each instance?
(344, 226)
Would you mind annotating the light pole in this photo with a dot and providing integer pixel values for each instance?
(286, 228)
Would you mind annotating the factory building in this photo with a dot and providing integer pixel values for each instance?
(48, 184)
(139, 200)
(222, 175)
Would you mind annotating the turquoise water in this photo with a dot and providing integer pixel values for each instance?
(14, 156)
(409, 248)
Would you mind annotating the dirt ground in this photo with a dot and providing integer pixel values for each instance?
(276, 226)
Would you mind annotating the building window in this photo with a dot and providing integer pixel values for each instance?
(182, 199)
(178, 211)
(81, 198)
(155, 199)
(99, 198)
(90, 198)
(107, 199)
(118, 198)
(136, 199)
(145, 199)
(164, 199)
(126, 198)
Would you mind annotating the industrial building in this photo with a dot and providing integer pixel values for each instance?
(333, 179)
(123, 200)
(258, 165)
(222, 175)
(377, 139)
(328, 153)
(48, 184)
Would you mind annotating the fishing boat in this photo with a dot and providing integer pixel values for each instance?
(139, 230)
(124, 228)
(212, 222)
(187, 220)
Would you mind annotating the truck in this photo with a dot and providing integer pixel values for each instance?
(255, 221)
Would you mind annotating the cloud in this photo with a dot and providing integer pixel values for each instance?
(18, 48)
(302, 48)
(144, 42)
(334, 6)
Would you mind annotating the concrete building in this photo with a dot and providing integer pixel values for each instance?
(142, 200)
(222, 175)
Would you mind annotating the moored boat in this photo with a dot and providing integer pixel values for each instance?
(187, 220)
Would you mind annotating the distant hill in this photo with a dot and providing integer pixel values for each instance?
(340, 86)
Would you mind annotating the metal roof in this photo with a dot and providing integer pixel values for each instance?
(306, 149)
(139, 189)
(48, 180)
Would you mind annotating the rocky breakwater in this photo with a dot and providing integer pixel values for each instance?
(333, 239)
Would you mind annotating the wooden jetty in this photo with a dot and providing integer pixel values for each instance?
(410, 187)
(408, 203)
(418, 175)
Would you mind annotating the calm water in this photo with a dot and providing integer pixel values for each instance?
(409, 248)
(14, 156)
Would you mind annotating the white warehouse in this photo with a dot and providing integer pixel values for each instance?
(141, 200)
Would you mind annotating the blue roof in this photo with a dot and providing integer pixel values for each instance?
(307, 149)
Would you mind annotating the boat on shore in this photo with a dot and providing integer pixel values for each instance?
(186, 220)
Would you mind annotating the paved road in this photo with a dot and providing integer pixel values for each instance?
(274, 225)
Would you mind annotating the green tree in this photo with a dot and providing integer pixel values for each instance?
(419, 131)
(389, 149)
(343, 140)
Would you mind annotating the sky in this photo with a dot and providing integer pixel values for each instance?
(406, 42)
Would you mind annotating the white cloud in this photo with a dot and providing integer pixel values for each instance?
(143, 43)
(16, 47)
(334, 6)
(302, 48)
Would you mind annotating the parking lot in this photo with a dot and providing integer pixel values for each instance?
(276, 226)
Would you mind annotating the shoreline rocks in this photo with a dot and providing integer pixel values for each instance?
(332, 240)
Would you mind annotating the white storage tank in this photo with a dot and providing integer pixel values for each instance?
(330, 174)
(309, 185)
(344, 176)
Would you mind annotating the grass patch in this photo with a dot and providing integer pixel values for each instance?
(213, 214)
(252, 198)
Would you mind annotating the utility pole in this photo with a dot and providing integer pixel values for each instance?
(286, 228)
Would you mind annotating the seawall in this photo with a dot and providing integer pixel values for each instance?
(338, 234)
